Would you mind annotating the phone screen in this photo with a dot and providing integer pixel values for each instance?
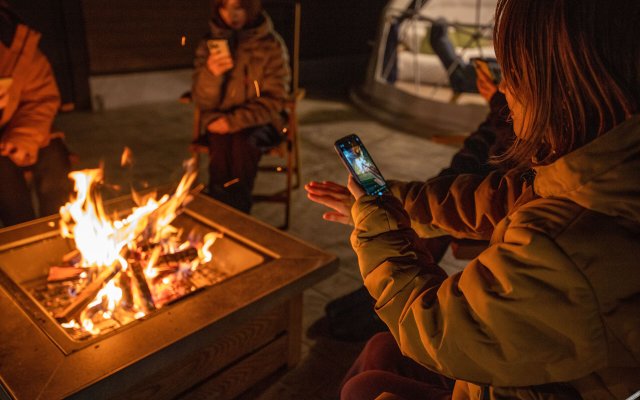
(361, 165)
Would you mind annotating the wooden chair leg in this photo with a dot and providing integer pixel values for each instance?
(296, 154)
(290, 171)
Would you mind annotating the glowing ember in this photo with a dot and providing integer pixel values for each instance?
(124, 267)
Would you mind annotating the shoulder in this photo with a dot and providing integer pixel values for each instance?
(550, 216)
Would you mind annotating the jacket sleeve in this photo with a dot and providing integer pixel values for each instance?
(520, 314)
(273, 91)
(492, 137)
(464, 206)
(207, 88)
(39, 100)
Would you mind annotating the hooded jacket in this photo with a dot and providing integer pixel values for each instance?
(254, 91)
(34, 98)
(551, 308)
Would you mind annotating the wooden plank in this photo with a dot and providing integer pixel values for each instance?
(211, 357)
(243, 375)
(295, 330)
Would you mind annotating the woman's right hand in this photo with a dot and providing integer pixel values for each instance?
(486, 86)
(334, 196)
(219, 63)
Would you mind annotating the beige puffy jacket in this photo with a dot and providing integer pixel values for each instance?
(552, 306)
(254, 92)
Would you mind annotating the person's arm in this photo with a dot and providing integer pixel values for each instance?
(520, 314)
(492, 137)
(465, 206)
(206, 88)
(30, 125)
(273, 90)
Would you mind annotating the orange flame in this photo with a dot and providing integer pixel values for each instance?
(101, 239)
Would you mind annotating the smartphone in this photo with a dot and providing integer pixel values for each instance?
(218, 46)
(489, 67)
(360, 164)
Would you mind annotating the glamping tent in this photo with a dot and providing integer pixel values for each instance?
(407, 84)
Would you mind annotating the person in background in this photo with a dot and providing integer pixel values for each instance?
(549, 309)
(241, 95)
(29, 102)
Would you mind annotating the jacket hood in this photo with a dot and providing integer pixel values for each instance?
(602, 175)
(261, 28)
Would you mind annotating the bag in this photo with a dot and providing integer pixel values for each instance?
(265, 137)
(352, 318)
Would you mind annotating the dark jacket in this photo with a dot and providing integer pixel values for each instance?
(254, 92)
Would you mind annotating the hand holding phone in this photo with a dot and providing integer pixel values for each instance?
(219, 46)
(361, 166)
(219, 60)
(485, 78)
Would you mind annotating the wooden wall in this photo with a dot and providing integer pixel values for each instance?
(143, 35)
(139, 35)
(63, 42)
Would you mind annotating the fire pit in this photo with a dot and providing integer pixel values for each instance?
(235, 320)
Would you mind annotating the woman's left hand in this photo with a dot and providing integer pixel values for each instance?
(355, 188)
(219, 126)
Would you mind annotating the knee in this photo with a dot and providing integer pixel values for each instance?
(369, 385)
(383, 346)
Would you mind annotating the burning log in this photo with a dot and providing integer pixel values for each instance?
(143, 287)
(61, 274)
(186, 255)
(88, 294)
(71, 258)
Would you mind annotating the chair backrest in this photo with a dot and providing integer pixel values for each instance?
(286, 21)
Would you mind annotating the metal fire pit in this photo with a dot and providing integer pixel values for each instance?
(216, 342)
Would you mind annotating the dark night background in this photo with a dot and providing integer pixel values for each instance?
(84, 38)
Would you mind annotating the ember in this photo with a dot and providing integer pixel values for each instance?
(124, 267)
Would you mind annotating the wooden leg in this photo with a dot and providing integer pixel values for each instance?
(295, 330)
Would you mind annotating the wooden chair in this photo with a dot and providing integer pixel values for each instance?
(288, 152)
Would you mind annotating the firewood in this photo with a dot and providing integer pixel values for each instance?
(88, 293)
(61, 274)
(186, 255)
(142, 285)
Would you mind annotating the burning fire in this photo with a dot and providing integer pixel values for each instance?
(127, 266)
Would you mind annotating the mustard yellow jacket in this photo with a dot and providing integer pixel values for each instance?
(255, 90)
(553, 304)
(34, 98)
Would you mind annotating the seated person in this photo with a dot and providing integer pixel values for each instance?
(352, 317)
(241, 95)
(549, 309)
(29, 101)
(462, 75)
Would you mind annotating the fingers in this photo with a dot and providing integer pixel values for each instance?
(321, 191)
(7, 148)
(327, 187)
(328, 201)
(336, 217)
(355, 189)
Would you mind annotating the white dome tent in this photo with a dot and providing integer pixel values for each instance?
(407, 84)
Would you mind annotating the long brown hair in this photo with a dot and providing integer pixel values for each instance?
(574, 65)
(252, 7)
